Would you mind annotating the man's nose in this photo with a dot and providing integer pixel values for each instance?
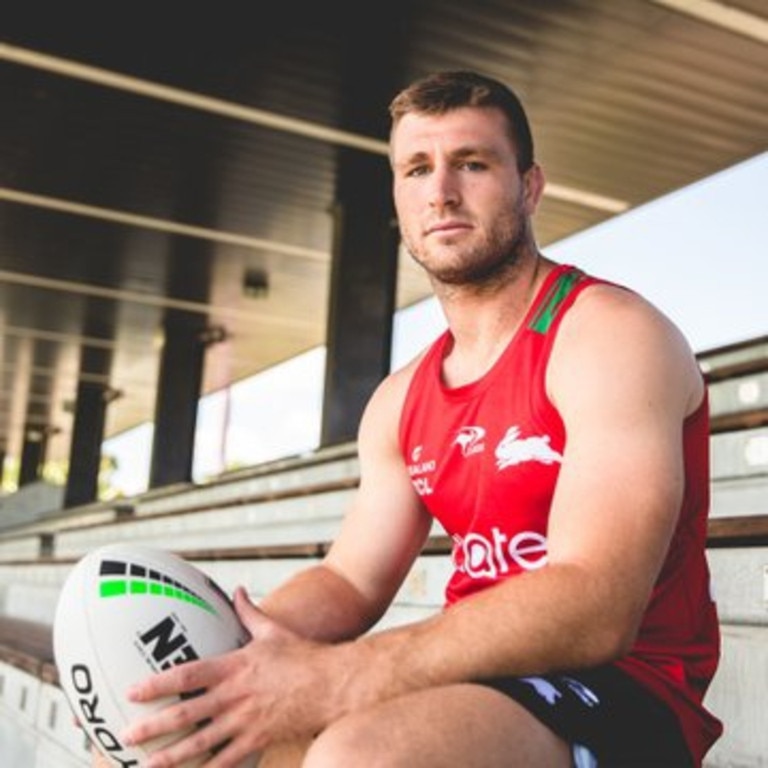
(444, 190)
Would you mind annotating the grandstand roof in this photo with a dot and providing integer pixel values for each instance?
(124, 135)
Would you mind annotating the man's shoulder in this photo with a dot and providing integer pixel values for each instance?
(394, 387)
(618, 334)
(388, 398)
(603, 302)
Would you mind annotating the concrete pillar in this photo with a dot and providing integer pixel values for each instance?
(91, 399)
(364, 266)
(32, 454)
(362, 298)
(85, 447)
(180, 380)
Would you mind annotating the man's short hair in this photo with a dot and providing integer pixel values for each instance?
(443, 92)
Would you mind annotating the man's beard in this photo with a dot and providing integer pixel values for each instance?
(484, 265)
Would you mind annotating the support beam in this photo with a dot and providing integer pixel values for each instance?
(91, 400)
(32, 454)
(180, 380)
(364, 267)
(85, 447)
(362, 300)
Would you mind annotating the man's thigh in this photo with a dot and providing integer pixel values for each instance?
(458, 725)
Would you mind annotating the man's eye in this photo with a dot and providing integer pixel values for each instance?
(473, 165)
(417, 170)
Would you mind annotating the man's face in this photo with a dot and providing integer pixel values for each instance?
(462, 205)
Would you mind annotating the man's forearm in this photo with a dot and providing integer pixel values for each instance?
(320, 604)
(555, 619)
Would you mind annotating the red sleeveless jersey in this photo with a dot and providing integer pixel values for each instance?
(485, 457)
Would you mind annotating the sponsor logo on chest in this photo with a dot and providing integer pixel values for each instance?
(513, 449)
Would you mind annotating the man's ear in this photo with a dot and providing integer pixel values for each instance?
(534, 183)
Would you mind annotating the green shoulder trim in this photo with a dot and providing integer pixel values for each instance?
(551, 303)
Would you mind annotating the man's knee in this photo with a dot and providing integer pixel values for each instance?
(354, 740)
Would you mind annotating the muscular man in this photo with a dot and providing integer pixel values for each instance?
(559, 432)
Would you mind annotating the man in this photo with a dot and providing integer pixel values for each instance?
(559, 432)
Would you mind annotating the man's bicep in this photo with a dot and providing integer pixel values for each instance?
(617, 495)
(621, 482)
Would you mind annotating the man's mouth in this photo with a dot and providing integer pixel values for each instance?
(447, 227)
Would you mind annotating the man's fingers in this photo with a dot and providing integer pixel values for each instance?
(174, 718)
(185, 678)
(233, 753)
(202, 741)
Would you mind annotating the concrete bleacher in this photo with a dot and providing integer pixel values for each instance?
(252, 528)
(738, 553)
(255, 527)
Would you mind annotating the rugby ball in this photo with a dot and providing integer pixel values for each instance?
(124, 612)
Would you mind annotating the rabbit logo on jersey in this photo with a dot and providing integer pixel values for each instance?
(489, 557)
(515, 449)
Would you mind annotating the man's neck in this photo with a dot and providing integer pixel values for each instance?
(483, 322)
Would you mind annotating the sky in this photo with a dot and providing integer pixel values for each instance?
(700, 254)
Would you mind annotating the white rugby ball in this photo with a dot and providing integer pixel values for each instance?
(123, 613)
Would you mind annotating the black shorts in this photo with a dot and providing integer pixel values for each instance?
(621, 723)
